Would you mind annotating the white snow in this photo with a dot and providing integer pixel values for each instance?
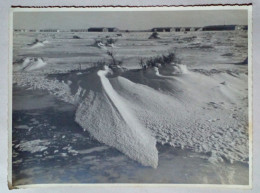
(200, 104)
(34, 145)
(182, 119)
(115, 124)
(37, 45)
(94, 149)
(56, 88)
(30, 64)
(39, 63)
(146, 143)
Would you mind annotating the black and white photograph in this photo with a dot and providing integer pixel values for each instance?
(131, 96)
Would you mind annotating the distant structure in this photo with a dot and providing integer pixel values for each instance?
(185, 29)
(33, 30)
(19, 30)
(103, 29)
(174, 29)
(79, 30)
(49, 30)
(156, 29)
(163, 29)
(219, 28)
(113, 29)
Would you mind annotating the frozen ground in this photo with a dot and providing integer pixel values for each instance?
(181, 124)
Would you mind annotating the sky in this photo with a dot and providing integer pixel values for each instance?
(132, 20)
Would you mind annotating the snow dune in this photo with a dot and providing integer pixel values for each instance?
(189, 110)
(141, 140)
(104, 115)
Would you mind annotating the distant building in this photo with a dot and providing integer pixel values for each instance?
(103, 29)
(163, 29)
(79, 30)
(177, 29)
(97, 29)
(32, 30)
(245, 28)
(219, 28)
(20, 30)
(113, 29)
(49, 30)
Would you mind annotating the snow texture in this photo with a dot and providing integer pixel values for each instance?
(117, 126)
(197, 105)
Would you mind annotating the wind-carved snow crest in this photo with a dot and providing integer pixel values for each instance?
(128, 136)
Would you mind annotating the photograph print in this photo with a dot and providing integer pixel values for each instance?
(130, 96)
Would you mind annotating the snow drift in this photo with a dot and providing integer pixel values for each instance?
(134, 111)
(30, 64)
(105, 115)
(38, 44)
(191, 111)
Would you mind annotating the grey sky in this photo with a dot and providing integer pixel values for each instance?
(127, 19)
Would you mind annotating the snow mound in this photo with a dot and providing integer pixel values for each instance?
(169, 70)
(205, 120)
(138, 109)
(102, 46)
(45, 41)
(106, 116)
(38, 44)
(180, 69)
(31, 63)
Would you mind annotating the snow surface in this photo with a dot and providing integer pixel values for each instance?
(36, 45)
(200, 104)
(138, 143)
(189, 118)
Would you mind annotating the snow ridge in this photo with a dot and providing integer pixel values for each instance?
(128, 136)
